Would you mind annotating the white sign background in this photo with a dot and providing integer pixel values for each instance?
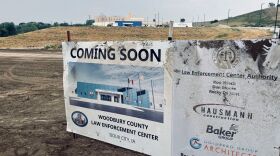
(150, 137)
(199, 119)
(212, 105)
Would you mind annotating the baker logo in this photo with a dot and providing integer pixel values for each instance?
(222, 133)
(226, 57)
(195, 143)
(79, 118)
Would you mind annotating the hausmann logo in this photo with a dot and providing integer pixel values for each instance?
(222, 111)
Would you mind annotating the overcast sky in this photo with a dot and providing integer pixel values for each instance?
(77, 11)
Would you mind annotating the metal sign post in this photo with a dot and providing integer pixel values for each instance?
(75, 136)
(68, 36)
(170, 35)
(278, 149)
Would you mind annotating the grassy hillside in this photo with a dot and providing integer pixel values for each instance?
(253, 18)
(51, 38)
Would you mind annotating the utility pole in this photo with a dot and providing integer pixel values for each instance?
(277, 5)
(158, 18)
(197, 20)
(228, 16)
(261, 14)
(204, 20)
(193, 21)
(155, 20)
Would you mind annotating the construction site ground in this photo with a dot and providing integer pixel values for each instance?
(32, 112)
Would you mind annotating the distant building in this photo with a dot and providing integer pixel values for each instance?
(103, 24)
(103, 20)
(182, 25)
(128, 23)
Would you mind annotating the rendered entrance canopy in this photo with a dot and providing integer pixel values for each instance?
(180, 98)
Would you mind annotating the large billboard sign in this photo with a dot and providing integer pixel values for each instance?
(179, 98)
(115, 92)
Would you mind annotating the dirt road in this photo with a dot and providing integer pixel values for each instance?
(32, 113)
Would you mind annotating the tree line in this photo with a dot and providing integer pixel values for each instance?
(9, 28)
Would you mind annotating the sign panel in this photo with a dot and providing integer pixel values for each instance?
(115, 92)
(184, 98)
(226, 98)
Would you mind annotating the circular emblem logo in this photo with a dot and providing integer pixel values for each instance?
(79, 118)
(194, 142)
(226, 58)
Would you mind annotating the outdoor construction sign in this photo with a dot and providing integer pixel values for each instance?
(178, 98)
(226, 98)
(115, 92)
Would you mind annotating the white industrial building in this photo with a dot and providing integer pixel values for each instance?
(182, 25)
(104, 21)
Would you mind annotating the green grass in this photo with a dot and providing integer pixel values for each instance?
(53, 47)
(252, 19)
(220, 36)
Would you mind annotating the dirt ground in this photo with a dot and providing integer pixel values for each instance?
(51, 38)
(32, 113)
